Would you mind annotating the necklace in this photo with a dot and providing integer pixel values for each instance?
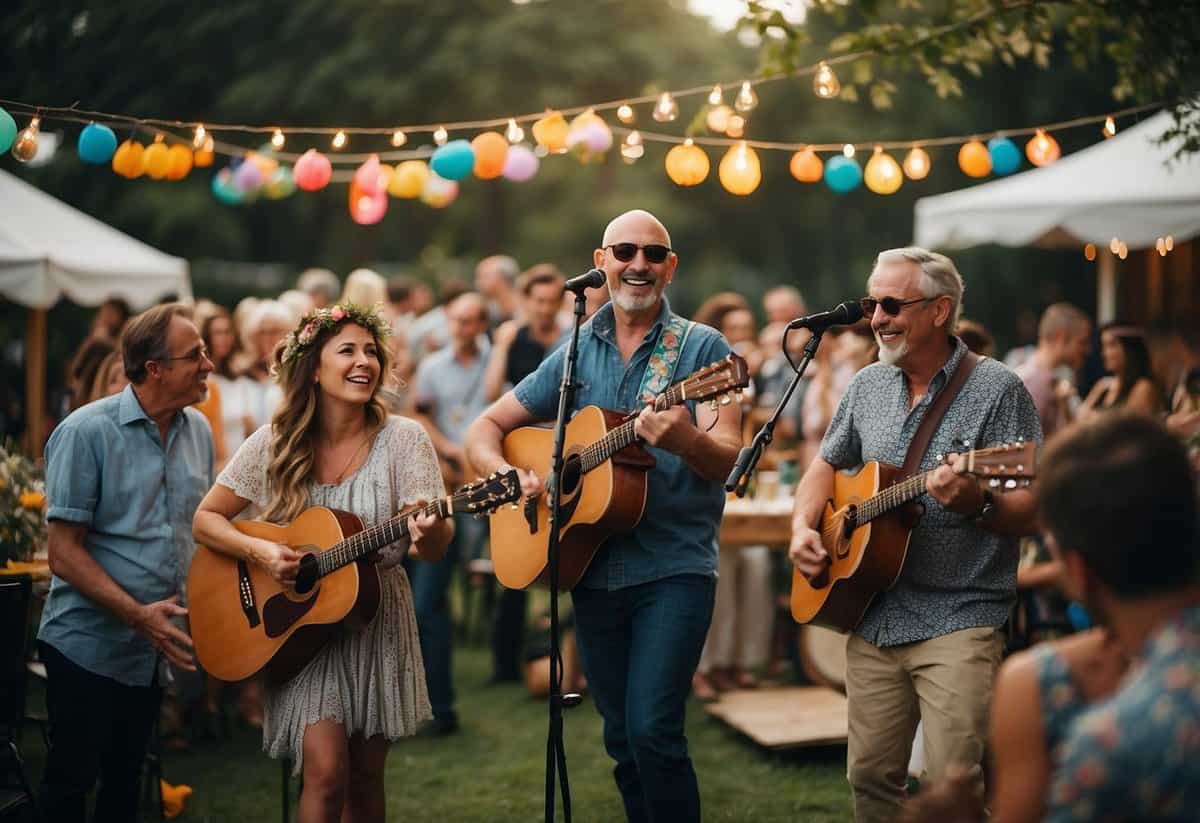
(342, 474)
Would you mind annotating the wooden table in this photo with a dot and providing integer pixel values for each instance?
(756, 523)
(38, 569)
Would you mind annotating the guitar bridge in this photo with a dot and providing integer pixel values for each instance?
(246, 594)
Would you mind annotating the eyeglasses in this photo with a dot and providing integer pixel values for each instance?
(891, 305)
(195, 355)
(655, 252)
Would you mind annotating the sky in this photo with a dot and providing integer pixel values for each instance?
(724, 13)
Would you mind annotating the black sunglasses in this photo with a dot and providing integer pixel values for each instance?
(655, 252)
(891, 305)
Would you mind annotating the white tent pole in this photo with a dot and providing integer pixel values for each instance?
(1106, 286)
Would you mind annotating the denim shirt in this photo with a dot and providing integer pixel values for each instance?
(108, 469)
(678, 531)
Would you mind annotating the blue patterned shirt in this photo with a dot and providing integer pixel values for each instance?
(957, 575)
(1136, 755)
(678, 531)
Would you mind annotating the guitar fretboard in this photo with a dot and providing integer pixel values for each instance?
(368, 540)
(623, 435)
(890, 498)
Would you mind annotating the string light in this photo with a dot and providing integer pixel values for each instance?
(199, 137)
(632, 148)
(1161, 246)
(625, 114)
(1114, 245)
(736, 126)
(848, 150)
(1110, 127)
(514, 133)
(25, 146)
(916, 163)
(825, 82)
(746, 100)
(399, 138)
(715, 98)
(440, 135)
(277, 139)
(1123, 252)
(666, 109)
(1089, 251)
(1169, 242)
(717, 119)
(339, 141)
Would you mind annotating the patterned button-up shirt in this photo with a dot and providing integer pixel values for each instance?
(957, 575)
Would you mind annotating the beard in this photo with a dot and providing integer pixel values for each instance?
(891, 355)
(629, 302)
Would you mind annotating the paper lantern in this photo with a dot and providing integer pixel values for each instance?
(1006, 157)
(491, 150)
(806, 166)
(96, 145)
(127, 161)
(842, 173)
(883, 174)
(974, 160)
(916, 163)
(8, 130)
(366, 177)
(179, 162)
(551, 132)
(367, 209)
(521, 164)
(408, 181)
(156, 160)
(1042, 149)
(590, 136)
(203, 156)
(740, 171)
(223, 188)
(438, 192)
(687, 164)
(453, 161)
(247, 176)
(312, 171)
(717, 119)
(280, 185)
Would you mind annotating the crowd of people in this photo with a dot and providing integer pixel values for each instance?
(367, 397)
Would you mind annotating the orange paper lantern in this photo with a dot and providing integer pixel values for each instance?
(156, 160)
(687, 165)
(882, 174)
(806, 166)
(740, 171)
(179, 162)
(974, 159)
(916, 163)
(127, 161)
(551, 132)
(491, 150)
(1042, 149)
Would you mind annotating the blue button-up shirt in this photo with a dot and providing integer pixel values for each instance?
(678, 531)
(956, 574)
(108, 469)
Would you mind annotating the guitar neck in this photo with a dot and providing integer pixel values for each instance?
(891, 498)
(366, 541)
(623, 435)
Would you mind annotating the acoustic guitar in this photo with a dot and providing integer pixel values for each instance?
(244, 621)
(603, 488)
(866, 528)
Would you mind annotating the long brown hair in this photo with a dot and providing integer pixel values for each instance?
(295, 423)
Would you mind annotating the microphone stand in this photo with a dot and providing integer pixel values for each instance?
(556, 755)
(749, 456)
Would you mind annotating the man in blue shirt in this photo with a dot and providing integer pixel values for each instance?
(123, 478)
(643, 607)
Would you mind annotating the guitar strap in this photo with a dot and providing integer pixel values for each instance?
(660, 369)
(933, 417)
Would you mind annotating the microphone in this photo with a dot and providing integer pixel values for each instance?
(594, 279)
(843, 315)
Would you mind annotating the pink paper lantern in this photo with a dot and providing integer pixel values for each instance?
(367, 177)
(521, 164)
(367, 209)
(312, 171)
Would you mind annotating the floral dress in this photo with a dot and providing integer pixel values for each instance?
(371, 681)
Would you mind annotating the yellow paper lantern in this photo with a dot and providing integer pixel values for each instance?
(179, 161)
(916, 163)
(883, 175)
(806, 166)
(386, 173)
(127, 161)
(491, 150)
(1042, 149)
(551, 132)
(687, 164)
(408, 181)
(740, 171)
(156, 159)
(974, 159)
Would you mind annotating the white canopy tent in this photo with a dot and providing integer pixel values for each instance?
(49, 250)
(1126, 187)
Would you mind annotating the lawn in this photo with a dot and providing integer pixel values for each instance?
(493, 769)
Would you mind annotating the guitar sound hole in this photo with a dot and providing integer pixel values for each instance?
(306, 577)
(571, 474)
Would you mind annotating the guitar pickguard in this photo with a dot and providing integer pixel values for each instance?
(280, 612)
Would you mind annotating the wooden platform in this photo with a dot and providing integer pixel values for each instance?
(785, 718)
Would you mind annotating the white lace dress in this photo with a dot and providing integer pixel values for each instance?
(372, 681)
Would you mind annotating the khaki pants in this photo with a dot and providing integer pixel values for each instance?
(946, 682)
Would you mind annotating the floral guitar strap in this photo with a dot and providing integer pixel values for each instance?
(661, 367)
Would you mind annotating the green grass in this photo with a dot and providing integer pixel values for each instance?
(493, 769)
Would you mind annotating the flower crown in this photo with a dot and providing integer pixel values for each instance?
(327, 319)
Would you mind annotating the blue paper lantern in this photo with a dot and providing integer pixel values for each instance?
(453, 161)
(8, 131)
(843, 174)
(97, 144)
(223, 188)
(1006, 157)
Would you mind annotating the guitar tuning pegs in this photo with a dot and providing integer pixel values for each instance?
(713, 404)
(725, 399)
(994, 482)
(1010, 484)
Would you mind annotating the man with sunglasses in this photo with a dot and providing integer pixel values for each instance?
(643, 608)
(927, 649)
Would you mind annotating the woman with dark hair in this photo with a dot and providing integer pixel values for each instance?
(1131, 384)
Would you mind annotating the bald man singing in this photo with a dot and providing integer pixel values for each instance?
(643, 607)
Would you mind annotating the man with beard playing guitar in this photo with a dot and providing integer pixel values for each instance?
(643, 607)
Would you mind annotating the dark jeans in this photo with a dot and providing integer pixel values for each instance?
(508, 634)
(430, 585)
(640, 647)
(98, 728)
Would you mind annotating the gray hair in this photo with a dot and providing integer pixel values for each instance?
(939, 277)
(320, 280)
(504, 265)
(1059, 318)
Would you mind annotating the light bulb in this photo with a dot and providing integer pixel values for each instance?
(440, 135)
(1161, 246)
(399, 138)
(200, 136)
(714, 97)
(625, 114)
(1123, 252)
(339, 141)
(1110, 127)
(1169, 242)
(632, 148)
(25, 146)
(736, 126)
(666, 109)
(746, 98)
(634, 138)
(1089, 251)
(848, 150)
(825, 82)
(277, 139)
(916, 163)
(1114, 245)
(514, 133)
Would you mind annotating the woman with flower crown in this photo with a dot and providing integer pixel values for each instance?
(332, 443)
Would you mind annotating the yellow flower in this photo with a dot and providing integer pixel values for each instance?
(32, 500)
